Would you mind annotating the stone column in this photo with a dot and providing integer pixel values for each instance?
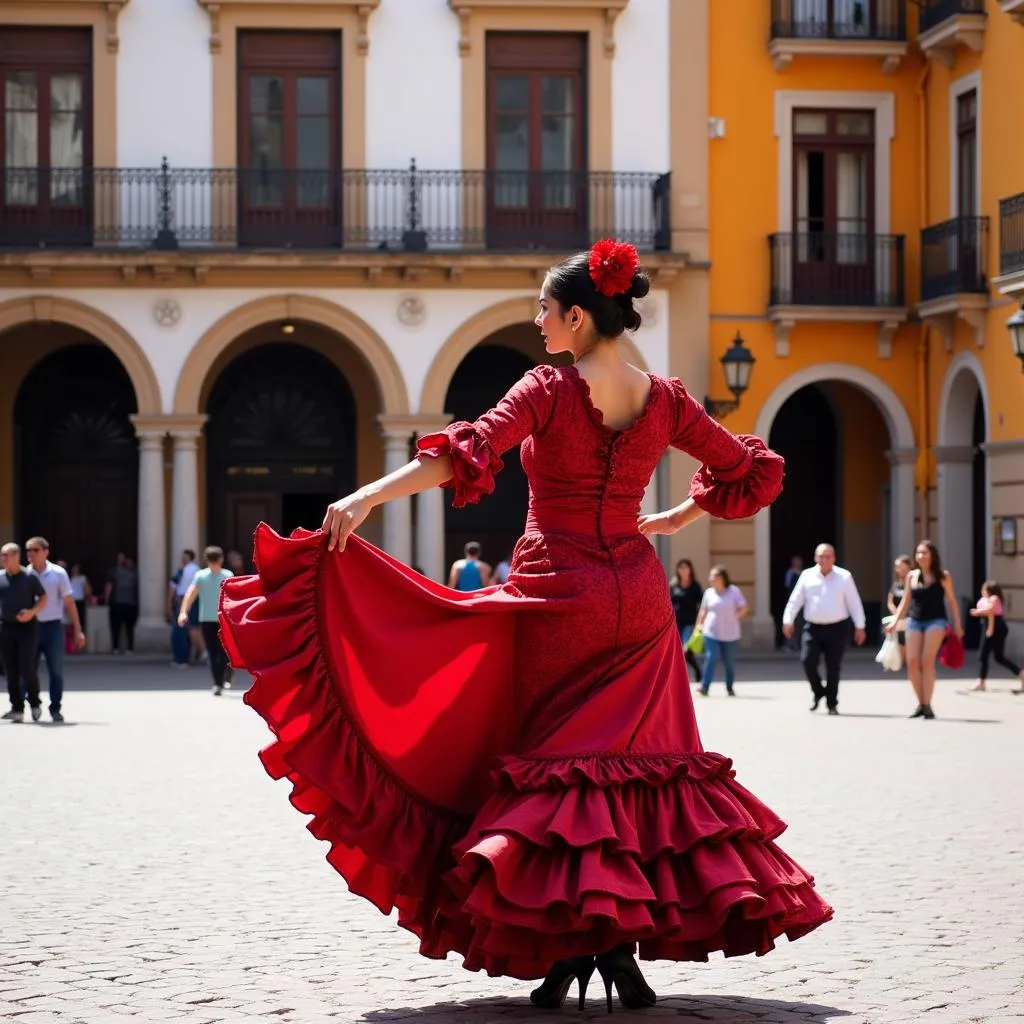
(955, 514)
(397, 538)
(151, 561)
(185, 434)
(903, 463)
(430, 514)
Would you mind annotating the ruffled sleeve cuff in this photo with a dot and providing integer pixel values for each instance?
(744, 489)
(474, 464)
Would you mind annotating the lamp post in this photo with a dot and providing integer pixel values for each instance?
(737, 364)
(1015, 325)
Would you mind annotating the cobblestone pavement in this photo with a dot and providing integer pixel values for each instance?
(154, 871)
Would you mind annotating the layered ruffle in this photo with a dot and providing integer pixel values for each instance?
(549, 857)
(584, 853)
(743, 490)
(474, 463)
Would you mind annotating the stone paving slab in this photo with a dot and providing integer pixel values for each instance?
(156, 874)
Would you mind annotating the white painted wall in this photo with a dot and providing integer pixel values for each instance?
(414, 86)
(640, 87)
(414, 347)
(164, 85)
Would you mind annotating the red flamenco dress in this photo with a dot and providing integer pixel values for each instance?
(518, 770)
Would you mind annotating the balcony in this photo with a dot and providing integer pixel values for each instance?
(844, 28)
(1011, 246)
(946, 24)
(352, 211)
(954, 276)
(849, 278)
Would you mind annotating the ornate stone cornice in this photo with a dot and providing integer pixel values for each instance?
(111, 9)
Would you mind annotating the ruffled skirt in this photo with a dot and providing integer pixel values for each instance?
(398, 724)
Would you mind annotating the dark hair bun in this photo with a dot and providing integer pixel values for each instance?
(640, 285)
(570, 284)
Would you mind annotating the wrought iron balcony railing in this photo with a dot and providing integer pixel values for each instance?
(954, 257)
(383, 210)
(819, 269)
(935, 12)
(1011, 234)
(840, 19)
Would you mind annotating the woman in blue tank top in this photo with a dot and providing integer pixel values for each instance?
(469, 573)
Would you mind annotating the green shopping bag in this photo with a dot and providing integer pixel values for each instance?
(696, 642)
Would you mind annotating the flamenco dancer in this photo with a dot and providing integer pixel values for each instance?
(518, 770)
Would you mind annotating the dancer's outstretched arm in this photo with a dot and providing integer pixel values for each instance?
(346, 514)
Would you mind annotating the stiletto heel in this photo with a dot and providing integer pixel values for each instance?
(551, 992)
(620, 969)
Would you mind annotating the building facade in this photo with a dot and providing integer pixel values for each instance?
(249, 250)
(871, 264)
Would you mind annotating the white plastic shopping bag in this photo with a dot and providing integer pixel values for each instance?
(889, 655)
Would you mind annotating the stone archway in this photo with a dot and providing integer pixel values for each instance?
(902, 456)
(371, 346)
(471, 332)
(963, 492)
(51, 308)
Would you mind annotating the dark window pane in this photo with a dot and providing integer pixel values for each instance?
(313, 95)
(266, 94)
(557, 138)
(558, 94)
(512, 92)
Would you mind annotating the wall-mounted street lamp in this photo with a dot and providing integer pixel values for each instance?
(737, 364)
(1015, 325)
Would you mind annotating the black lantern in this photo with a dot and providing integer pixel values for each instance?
(1016, 327)
(737, 364)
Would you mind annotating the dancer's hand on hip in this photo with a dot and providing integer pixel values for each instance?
(660, 522)
(343, 517)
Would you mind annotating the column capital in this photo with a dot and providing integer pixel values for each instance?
(902, 456)
(150, 430)
(186, 426)
(425, 423)
(954, 453)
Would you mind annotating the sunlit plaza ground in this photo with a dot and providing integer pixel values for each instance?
(155, 872)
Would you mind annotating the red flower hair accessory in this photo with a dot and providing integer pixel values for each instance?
(612, 266)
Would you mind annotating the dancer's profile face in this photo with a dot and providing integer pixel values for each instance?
(562, 330)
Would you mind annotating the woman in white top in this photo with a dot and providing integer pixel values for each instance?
(721, 611)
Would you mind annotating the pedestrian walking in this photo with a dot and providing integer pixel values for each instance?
(121, 595)
(929, 589)
(990, 609)
(392, 701)
(205, 587)
(828, 597)
(722, 609)
(469, 573)
(686, 593)
(60, 601)
(22, 598)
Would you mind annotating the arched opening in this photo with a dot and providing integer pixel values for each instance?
(480, 380)
(963, 488)
(837, 491)
(283, 435)
(76, 454)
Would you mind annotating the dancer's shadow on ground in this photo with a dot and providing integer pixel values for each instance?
(694, 1008)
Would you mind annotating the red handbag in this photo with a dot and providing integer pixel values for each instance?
(952, 653)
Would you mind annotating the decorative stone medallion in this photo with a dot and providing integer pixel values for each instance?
(166, 312)
(411, 311)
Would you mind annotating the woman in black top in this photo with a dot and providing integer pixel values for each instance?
(929, 590)
(686, 595)
(900, 570)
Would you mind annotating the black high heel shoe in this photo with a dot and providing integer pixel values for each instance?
(551, 993)
(620, 969)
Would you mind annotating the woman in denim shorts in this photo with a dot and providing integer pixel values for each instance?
(929, 589)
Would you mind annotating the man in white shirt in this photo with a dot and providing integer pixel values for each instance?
(828, 598)
(59, 600)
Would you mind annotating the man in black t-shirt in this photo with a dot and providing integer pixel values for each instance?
(22, 598)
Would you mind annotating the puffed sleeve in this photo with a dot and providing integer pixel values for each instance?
(739, 474)
(476, 448)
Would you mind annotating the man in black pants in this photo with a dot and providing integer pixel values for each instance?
(22, 598)
(828, 597)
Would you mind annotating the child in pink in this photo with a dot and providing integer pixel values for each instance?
(990, 608)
